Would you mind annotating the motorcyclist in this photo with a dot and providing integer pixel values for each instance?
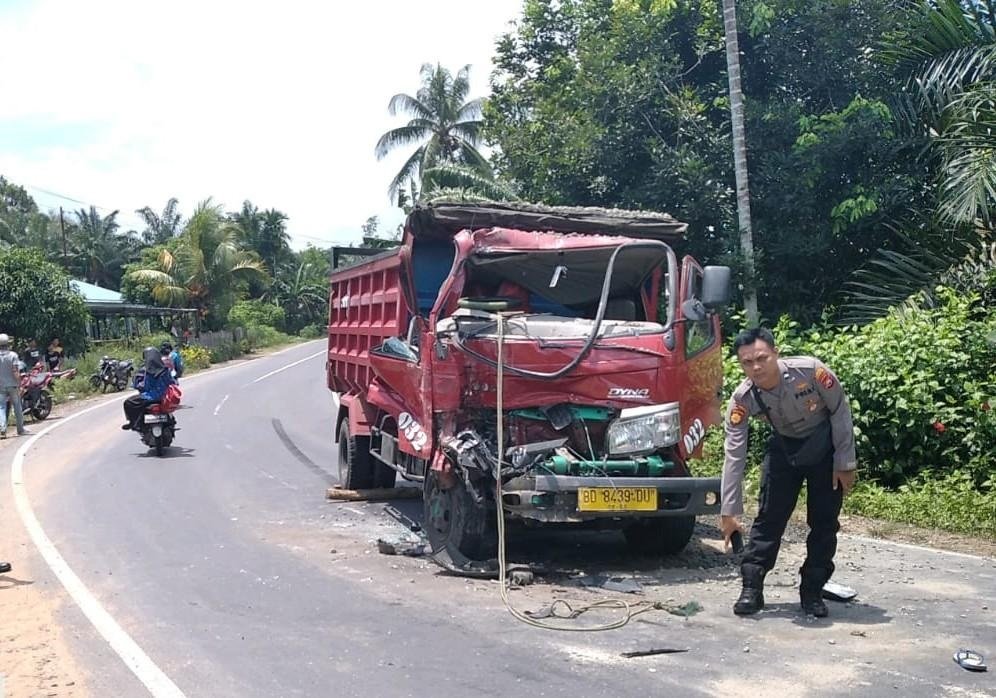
(172, 359)
(157, 380)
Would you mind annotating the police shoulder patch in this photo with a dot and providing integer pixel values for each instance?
(738, 414)
(824, 377)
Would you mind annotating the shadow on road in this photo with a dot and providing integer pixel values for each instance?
(852, 613)
(170, 452)
(8, 582)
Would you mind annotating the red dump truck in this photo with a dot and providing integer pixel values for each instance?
(611, 359)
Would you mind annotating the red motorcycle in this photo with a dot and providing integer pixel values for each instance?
(158, 423)
(36, 391)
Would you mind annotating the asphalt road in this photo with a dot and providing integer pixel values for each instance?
(226, 565)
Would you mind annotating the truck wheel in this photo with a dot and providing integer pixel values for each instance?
(355, 472)
(384, 476)
(661, 536)
(454, 521)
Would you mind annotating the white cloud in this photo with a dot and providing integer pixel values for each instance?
(280, 103)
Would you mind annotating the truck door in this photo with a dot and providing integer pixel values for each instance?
(699, 342)
(401, 391)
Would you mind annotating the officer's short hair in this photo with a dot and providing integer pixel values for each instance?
(750, 336)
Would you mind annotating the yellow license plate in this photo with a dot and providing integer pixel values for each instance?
(617, 499)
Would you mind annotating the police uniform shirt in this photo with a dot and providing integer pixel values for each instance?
(808, 394)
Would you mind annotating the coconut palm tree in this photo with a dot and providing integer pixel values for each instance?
(302, 293)
(209, 268)
(447, 182)
(446, 127)
(99, 251)
(949, 101)
(160, 229)
(740, 157)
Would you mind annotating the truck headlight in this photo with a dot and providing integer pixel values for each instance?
(644, 429)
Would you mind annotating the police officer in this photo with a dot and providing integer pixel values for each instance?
(812, 442)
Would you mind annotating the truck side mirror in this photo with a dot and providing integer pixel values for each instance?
(715, 287)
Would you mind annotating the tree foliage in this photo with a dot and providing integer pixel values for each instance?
(623, 103)
(37, 301)
(444, 124)
(208, 269)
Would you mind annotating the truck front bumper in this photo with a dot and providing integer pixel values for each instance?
(554, 498)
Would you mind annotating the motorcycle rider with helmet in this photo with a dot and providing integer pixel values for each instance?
(157, 380)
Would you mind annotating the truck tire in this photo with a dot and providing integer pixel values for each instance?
(384, 476)
(355, 472)
(666, 535)
(454, 521)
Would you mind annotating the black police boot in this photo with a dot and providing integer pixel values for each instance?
(811, 593)
(752, 596)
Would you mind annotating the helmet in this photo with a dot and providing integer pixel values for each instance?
(4, 340)
(166, 347)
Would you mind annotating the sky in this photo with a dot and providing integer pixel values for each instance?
(123, 104)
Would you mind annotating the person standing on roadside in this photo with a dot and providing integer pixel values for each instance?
(53, 355)
(32, 355)
(10, 387)
(812, 441)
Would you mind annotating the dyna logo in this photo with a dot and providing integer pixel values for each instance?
(629, 393)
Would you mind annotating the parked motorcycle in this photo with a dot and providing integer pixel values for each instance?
(115, 373)
(158, 423)
(36, 391)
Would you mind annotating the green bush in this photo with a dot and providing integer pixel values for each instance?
(256, 313)
(224, 352)
(313, 332)
(922, 385)
(260, 336)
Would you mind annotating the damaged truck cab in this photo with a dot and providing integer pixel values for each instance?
(610, 354)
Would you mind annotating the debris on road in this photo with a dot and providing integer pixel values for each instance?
(625, 585)
(838, 592)
(402, 518)
(407, 548)
(970, 660)
(652, 652)
(373, 495)
(520, 577)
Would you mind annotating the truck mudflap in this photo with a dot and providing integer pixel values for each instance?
(569, 498)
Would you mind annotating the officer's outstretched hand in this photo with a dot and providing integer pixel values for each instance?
(844, 479)
(727, 526)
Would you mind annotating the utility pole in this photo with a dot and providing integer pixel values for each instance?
(740, 158)
(65, 249)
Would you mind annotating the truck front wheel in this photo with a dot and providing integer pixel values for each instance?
(660, 536)
(355, 471)
(454, 521)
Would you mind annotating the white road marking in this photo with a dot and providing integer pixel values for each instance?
(913, 546)
(291, 365)
(218, 408)
(154, 679)
(131, 654)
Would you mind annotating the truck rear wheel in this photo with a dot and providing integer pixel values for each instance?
(454, 521)
(355, 472)
(661, 536)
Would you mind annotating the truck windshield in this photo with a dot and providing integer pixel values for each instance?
(563, 287)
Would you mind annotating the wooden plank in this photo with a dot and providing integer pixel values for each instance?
(373, 495)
